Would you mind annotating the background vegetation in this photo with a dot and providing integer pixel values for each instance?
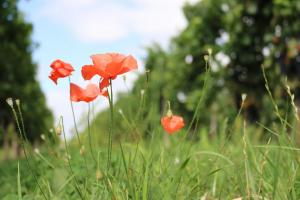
(242, 143)
(18, 77)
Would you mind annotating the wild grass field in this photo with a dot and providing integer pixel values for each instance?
(240, 160)
(211, 108)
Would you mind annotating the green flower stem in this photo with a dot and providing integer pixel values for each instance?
(111, 102)
(89, 133)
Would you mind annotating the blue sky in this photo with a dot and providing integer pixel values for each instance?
(72, 30)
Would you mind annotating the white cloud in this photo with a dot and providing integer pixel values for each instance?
(110, 21)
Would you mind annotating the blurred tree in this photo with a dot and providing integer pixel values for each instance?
(243, 36)
(18, 73)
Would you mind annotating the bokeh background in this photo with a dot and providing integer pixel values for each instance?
(74, 30)
(169, 38)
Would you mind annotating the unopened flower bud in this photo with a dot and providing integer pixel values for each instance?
(82, 150)
(244, 96)
(206, 57)
(58, 130)
(43, 137)
(209, 51)
(120, 111)
(37, 151)
(10, 102)
(99, 175)
(169, 113)
(18, 102)
(67, 158)
(176, 161)
(142, 92)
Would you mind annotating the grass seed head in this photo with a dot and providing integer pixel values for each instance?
(10, 102)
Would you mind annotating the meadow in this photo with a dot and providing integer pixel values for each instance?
(241, 160)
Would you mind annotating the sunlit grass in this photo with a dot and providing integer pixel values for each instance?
(166, 168)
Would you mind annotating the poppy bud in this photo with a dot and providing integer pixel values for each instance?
(82, 150)
(169, 112)
(67, 158)
(206, 57)
(176, 161)
(43, 137)
(99, 175)
(10, 102)
(58, 130)
(209, 51)
(18, 102)
(244, 96)
(37, 151)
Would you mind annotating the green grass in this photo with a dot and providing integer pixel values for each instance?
(165, 167)
(240, 160)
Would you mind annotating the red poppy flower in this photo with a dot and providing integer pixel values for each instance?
(88, 94)
(172, 123)
(108, 66)
(60, 69)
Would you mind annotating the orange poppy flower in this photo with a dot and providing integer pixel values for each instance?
(60, 69)
(172, 124)
(108, 66)
(88, 94)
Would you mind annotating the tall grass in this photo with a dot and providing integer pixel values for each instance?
(234, 163)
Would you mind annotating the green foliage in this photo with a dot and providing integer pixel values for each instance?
(18, 72)
(166, 167)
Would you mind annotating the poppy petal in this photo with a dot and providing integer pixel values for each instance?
(63, 72)
(53, 77)
(128, 64)
(115, 66)
(88, 94)
(104, 92)
(172, 124)
(104, 83)
(91, 92)
(61, 64)
(75, 92)
(60, 69)
(101, 60)
(88, 72)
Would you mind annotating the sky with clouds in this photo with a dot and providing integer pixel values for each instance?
(72, 30)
